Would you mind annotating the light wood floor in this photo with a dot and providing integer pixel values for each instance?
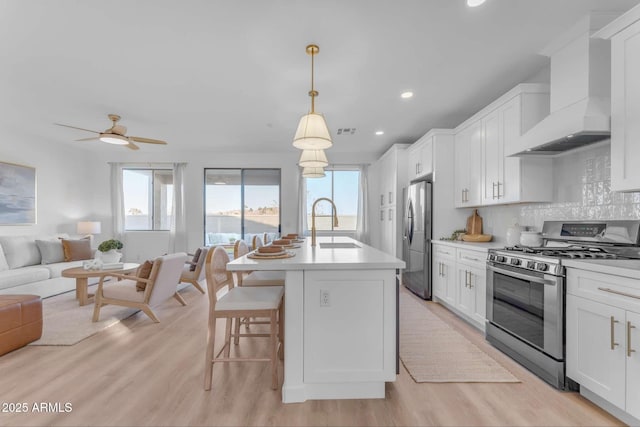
(142, 373)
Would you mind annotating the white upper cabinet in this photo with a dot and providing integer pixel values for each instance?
(484, 176)
(420, 157)
(624, 34)
(468, 149)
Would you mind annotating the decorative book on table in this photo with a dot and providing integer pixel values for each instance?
(113, 266)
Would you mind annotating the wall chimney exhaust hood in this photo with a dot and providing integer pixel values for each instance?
(580, 98)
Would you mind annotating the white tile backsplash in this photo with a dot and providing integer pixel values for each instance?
(583, 191)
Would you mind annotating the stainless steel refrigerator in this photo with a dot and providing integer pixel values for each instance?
(417, 239)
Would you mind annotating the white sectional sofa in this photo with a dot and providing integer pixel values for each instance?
(24, 269)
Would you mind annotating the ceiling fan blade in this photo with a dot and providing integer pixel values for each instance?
(93, 138)
(147, 140)
(132, 146)
(75, 127)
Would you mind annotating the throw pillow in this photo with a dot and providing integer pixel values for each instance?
(51, 251)
(76, 250)
(143, 272)
(194, 261)
(3, 261)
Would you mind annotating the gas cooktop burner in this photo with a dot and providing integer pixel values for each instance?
(565, 252)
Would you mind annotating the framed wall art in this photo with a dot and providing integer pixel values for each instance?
(17, 194)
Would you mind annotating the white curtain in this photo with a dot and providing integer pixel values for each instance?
(117, 202)
(362, 222)
(178, 231)
(302, 205)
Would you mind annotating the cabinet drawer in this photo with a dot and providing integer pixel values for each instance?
(444, 251)
(618, 291)
(472, 258)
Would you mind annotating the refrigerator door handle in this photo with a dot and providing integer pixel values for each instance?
(410, 231)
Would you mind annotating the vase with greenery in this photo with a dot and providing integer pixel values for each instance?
(109, 249)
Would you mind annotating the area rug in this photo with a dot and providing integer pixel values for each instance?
(67, 323)
(433, 351)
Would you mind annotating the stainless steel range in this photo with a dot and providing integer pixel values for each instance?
(526, 290)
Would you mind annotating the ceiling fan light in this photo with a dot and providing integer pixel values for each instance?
(312, 133)
(112, 138)
(475, 3)
(313, 172)
(313, 159)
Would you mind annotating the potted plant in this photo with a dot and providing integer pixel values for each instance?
(109, 250)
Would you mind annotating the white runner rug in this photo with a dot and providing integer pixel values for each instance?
(433, 351)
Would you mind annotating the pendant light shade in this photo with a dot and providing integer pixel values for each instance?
(312, 133)
(313, 172)
(313, 159)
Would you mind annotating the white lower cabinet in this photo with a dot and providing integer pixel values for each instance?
(603, 336)
(444, 273)
(459, 281)
(472, 288)
(595, 356)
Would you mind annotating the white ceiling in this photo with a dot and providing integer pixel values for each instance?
(234, 75)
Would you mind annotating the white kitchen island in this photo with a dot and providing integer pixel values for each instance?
(340, 319)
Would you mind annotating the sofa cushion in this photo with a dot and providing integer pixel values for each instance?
(75, 250)
(50, 251)
(3, 261)
(21, 276)
(55, 270)
(20, 251)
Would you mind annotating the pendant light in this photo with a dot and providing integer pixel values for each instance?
(312, 132)
(313, 172)
(313, 159)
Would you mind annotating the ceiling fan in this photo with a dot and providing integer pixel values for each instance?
(116, 134)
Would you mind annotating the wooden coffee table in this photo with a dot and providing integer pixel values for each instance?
(82, 278)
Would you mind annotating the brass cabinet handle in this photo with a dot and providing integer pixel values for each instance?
(629, 350)
(613, 339)
(624, 294)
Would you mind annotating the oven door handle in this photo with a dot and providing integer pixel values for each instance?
(535, 279)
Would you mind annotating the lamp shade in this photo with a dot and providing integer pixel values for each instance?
(313, 172)
(112, 138)
(313, 159)
(312, 133)
(88, 227)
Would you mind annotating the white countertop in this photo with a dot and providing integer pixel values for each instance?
(619, 267)
(470, 245)
(316, 258)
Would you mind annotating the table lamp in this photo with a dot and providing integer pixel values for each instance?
(88, 228)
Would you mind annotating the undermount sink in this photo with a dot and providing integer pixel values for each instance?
(341, 245)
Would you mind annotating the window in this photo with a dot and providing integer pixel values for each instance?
(341, 186)
(241, 203)
(148, 199)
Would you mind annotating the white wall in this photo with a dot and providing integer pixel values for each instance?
(74, 184)
(65, 183)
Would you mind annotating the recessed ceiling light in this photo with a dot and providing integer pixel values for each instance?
(379, 132)
(474, 3)
(406, 95)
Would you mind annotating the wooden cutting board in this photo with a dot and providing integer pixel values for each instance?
(474, 223)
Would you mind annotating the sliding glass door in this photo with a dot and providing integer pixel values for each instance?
(240, 203)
